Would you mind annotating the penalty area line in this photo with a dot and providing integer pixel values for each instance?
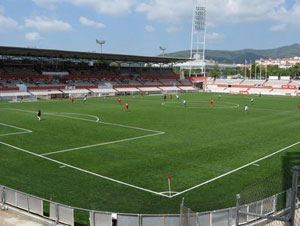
(10, 134)
(88, 120)
(156, 133)
(235, 170)
(15, 127)
(101, 144)
(84, 171)
(24, 131)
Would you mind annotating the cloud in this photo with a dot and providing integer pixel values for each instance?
(175, 11)
(109, 7)
(33, 36)
(45, 24)
(47, 4)
(241, 10)
(173, 29)
(165, 10)
(90, 23)
(218, 11)
(7, 23)
(287, 16)
(278, 28)
(149, 28)
(214, 36)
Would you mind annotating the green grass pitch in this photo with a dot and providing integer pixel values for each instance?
(98, 156)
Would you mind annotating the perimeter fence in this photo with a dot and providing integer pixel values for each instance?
(282, 208)
(259, 204)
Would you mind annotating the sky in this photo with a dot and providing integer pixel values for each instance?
(140, 26)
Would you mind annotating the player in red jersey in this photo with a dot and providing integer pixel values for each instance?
(119, 100)
(126, 106)
(212, 102)
(72, 99)
(299, 106)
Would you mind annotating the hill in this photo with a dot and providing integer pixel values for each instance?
(239, 56)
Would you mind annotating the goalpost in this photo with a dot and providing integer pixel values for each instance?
(165, 92)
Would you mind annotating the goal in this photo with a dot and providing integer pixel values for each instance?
(20, 98)
(165, 92)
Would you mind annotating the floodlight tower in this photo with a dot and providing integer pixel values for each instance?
(198, 38)
(163, 49)
(101, 43)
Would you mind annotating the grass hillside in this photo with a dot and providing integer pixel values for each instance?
(239, 56)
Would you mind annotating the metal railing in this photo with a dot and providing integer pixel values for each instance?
(282, 207)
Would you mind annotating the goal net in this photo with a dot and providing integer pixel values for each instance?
(165, 92)
(20, 98)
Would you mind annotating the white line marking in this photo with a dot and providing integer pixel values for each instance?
(93, 116)
(123, 183)
(157, 133)
(168, 192)
(25, 130)
(9, 134)
(88, 120)
(174, 104)
(15, 133)
(235, 170)
(101, 144)
(84, 171)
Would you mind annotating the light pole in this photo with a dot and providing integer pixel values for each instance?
(260, 71)
(255, 70)
(163, 49)
(250, 69)
(245, 69)
(101, 43)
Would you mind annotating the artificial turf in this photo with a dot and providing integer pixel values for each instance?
(200, 142)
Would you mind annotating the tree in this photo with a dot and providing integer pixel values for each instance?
(274, 70)
(229, 71)
(240, 71)
(294, 71)
(215, 72)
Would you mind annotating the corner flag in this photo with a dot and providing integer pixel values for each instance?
(169, 182)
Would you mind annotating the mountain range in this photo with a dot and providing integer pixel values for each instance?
(239, 56)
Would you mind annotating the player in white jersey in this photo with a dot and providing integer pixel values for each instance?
(246, 108)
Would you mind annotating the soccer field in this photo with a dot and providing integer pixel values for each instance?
(98, 156)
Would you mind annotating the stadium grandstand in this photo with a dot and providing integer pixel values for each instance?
(44, 73)
(270, 86)
(29, 73)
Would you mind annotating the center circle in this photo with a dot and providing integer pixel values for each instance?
(201, 104)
